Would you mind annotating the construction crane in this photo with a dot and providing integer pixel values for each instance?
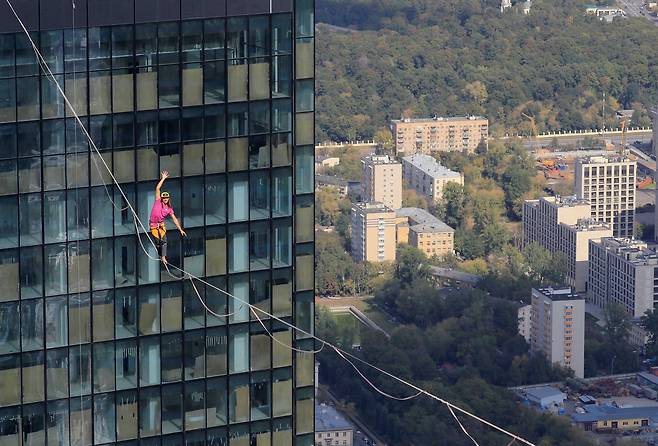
(624, 127)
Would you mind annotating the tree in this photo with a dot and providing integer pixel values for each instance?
(650, 323)
(411, 199)
(412, 265)
(617, 323)
(516, 183)
(384, 139)
(327, 208)
(476, 91)
(544, 268)
(453, 203)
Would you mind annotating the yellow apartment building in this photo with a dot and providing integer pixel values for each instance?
(381, 180)
(373, 232)
(422, 230)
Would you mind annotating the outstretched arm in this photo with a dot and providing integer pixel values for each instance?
(177, 223)
(163, 177)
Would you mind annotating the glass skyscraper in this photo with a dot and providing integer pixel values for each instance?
(98, 344)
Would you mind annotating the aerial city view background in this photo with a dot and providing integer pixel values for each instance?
(328, 222)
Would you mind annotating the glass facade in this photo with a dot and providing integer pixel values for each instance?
(98, 345)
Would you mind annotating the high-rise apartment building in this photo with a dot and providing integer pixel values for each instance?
(439, 134)
(562, 224)
(98, 344)
(623, 271)
(557, 327)
(381, 180)
(373, 232)
(427, 177)
(608, 183)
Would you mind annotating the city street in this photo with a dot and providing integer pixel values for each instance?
(636, 8)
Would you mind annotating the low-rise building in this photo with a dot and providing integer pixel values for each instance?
(558, 327)
(623, 271)
(439, 134)
(381, 180)
(605, 13)
(422, 230)
(427, 177)
(546, 397)
(326, 161)
(373, 232)
(331, 427)
(563, 224)
(345, 188)
(612, 418)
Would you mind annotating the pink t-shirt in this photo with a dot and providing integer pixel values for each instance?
(159, 212)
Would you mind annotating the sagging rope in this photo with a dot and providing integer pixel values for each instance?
(254, 308)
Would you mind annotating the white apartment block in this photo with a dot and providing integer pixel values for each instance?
(427, 177)
(381, 180)
(563, 224)
(608, 183)
(373, 232)
(439, 134)
(623, 271)
(557, 327)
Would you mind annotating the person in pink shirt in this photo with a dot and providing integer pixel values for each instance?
(162, 209)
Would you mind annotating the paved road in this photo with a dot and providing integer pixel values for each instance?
(361, 431)
(573, 140)
(635, 8)
(455, 275)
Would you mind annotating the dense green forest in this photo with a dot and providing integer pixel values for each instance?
(381, 59)
(461, 345)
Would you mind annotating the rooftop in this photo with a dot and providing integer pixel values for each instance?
(422, 221)
(543, 392)
(334, 181)
(606, 159)
(653, 379)
(590, 224)
(430, 166)
(595, 413)
(633, 251)
(439, 119)
(328, 419)
(557, 294)
(372, 207)
(563, 201)
(379, 159)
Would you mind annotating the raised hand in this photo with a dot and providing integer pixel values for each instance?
(164, 174)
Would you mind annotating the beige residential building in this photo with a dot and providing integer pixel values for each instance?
(427, 177)
(623, 271)
(422, 230)
(563, 224)
(373, 232)
(381, 180)
(439, 134)
(557, 327)
(608, 183)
